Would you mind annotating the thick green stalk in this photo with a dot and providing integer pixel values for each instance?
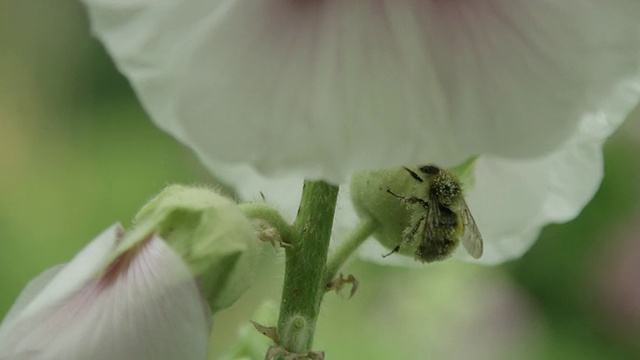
(305, 266)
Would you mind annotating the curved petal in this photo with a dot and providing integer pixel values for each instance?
(147, 306)
(55, 284)
(553, 189)
(322, 88)
(511, 200)
(33, 288)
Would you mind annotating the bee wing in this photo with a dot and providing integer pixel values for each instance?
(471, 238)
(433, 219)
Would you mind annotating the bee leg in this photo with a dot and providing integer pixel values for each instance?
(415, 227)
(410, 200)
(408, 236)
(395, 250)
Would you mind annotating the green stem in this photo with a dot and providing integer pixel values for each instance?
(305, 263)
(271, 216)
(350, 244)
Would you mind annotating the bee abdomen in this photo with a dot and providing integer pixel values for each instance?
(435, 250)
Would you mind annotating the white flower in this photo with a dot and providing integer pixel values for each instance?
(145, 306)
(319, 89)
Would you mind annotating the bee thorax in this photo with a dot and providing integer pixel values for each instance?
(446, 190)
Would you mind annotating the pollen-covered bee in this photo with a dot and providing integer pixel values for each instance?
(444, 219)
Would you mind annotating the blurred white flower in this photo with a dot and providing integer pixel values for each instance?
(268, 92)
(145, 306)
(614, 280)
(471, 314)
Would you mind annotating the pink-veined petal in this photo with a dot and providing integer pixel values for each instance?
(322, 88)
(146, 306)
(30, 291)
(73, 275)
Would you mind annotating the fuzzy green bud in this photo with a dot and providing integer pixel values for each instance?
(371, 200)
(209, 232)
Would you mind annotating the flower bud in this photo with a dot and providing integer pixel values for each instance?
(208, 231)
(147, 305)
(371, 200)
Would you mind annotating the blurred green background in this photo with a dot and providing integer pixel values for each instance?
(77, 154)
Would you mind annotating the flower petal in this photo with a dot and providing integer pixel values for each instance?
(50, 287)
(322, 88)
(32, 289)
(146, 307)
(511, 200)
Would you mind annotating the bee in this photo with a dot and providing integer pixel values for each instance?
(446, 220)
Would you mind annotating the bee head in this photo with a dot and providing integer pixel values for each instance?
(430, 169)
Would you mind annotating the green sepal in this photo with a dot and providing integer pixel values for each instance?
(466, 173)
